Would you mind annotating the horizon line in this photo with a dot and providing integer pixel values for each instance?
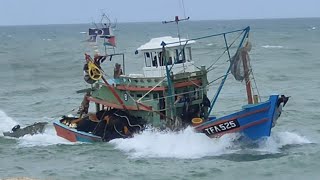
(127, 22)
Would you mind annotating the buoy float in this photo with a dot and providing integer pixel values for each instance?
(196, 121)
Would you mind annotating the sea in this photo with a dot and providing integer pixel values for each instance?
(41, 69)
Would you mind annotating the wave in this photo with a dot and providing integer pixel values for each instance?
(27, 92)
(272, 47)
(6, 122)
(185, 144)
(278, 140)
(48, 39)
(188, 144)
(47, 138)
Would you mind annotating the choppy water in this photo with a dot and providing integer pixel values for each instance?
(41, 68)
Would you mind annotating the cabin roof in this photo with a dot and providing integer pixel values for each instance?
(155, 43)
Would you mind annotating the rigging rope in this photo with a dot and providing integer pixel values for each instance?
(226, 49)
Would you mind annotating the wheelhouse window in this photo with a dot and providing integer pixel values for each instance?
(180, 56)
(188, 54)
(161, 59)
(155, 59)
(148, 59)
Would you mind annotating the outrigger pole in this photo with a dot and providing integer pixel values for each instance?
(246, 33)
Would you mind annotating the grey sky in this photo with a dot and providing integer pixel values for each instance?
(22, 12)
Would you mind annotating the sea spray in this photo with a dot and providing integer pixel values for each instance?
(6, 122)
(47, 138)
(188, 144)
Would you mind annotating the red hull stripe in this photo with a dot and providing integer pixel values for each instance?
(71, 135)
(232, 118)
(62, 132)
(117, 106)
(177, 85)
(241, 127)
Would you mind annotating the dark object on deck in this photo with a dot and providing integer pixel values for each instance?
(35, 128)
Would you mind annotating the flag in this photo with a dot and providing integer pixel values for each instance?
(100, 31)
(111, 41)
(92, 39)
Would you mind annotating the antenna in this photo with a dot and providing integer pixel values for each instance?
(184, 10)
(177, 20)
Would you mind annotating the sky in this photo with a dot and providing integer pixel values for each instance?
(32, 12)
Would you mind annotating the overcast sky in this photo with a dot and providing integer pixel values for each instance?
(25, 12)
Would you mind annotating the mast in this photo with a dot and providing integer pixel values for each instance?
(245, 58)
(172, 110)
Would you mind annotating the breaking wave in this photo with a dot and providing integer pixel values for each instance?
(277, 140)
(6, 122)
(49, 136)
(272, 47)
(188, 144)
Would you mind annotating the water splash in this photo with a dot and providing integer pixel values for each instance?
(188, 144)
(6, 122)
(185, 144)
(47, 138)
(277, 140)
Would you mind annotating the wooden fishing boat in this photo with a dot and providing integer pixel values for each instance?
(170, 93)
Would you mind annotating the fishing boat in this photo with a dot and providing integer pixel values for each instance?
(170, 93)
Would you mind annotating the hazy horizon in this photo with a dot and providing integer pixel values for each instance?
(191, 20)
(39, 12)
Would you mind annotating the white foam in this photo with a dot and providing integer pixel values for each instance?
(190, 145)
(185, 145)
(277, 140)
(49, 137)
(272, 47)
(6, 122)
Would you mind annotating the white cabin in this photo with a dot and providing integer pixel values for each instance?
(154, 65)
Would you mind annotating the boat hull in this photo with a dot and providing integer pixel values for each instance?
(73, 135)
(253, 121)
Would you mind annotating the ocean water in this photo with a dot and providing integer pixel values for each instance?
(41, 70)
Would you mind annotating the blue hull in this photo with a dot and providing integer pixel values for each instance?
(253, 121)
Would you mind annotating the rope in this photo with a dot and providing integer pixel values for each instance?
(254, 80)
(226, 49)
(128, 121)
(218, 78)
(139, 100)
(176, 94)
(114, 126)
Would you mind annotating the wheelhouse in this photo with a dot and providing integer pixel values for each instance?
(178, 56)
